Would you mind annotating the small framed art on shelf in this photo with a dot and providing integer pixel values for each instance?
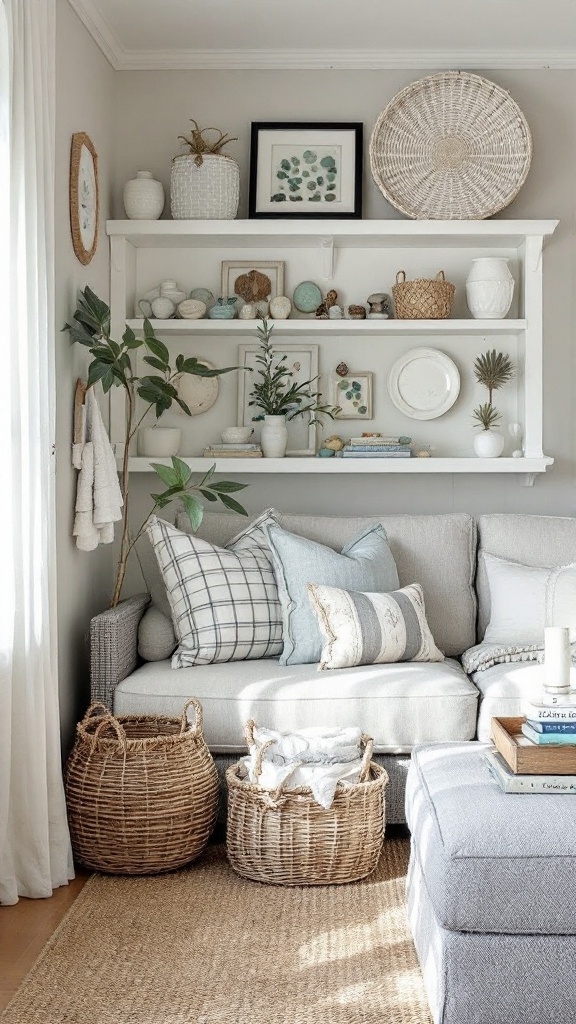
(252, 280)
(353, 393)
(305, 169)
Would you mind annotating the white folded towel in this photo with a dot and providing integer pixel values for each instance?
(317, 758)
(98, 496)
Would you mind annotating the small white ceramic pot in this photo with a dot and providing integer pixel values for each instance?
(143, 197)
(274, 437)
(489, 288)
(236, 435)
(160, 442)
(488, 444)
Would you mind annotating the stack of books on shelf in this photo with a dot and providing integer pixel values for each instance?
(233, 451)
(378, 448)
(535, 754)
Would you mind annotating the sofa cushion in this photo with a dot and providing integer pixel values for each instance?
(224, 601)
(365, 563)
(156, 637)
(505, 690)
(398, 705)
(532, 540)
(437, 551)
(525, 599)
(372, 629)
(492, 861)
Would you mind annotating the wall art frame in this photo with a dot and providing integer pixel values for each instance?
(234, 269)
(84, 197)
(303, 360)
(306, 169)
(353, 393)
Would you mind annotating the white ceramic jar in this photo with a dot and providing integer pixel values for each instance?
(274, 437)
(489, 288)
(160, 442)
(143, 197)
(488, 444)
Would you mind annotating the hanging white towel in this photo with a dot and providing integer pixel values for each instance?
(98, 496)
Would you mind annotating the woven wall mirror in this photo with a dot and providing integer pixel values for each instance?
(84, 197)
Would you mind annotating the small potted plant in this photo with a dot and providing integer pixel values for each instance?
(279, 398)
(204, 183)
(493, 370)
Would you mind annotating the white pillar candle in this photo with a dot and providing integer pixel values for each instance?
(557, 658)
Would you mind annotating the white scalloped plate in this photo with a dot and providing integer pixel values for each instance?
(424, 383)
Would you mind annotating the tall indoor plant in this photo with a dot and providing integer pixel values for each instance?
(112, 366)
(279, 397)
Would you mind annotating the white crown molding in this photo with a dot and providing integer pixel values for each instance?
(358, 60)
(290, 60)
(100, 31)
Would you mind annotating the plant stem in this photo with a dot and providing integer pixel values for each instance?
(124, 542)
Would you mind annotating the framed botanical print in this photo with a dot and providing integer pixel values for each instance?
(305, 169)
(84, 197)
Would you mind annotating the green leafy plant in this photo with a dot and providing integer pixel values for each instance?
(112, 366)
(493, 370)
(198, 145)
(276, 393)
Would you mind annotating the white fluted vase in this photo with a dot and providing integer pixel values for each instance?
(274, 437)
(143, 197)
(489, 288)
(488, 444)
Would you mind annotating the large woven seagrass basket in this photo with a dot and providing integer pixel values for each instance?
(286, 838)
(424, 298)
(141, 791)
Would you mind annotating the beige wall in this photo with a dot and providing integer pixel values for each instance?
(85, 86)
(153, 108)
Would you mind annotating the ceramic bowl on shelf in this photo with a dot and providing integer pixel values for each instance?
(236, 435)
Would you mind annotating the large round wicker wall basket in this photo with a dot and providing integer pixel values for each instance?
(452, 146)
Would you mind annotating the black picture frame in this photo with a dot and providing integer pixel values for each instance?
(270, 142)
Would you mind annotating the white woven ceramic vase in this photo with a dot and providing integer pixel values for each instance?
(489, 288)
(210, 191)
(143, 197)
(274, 437)
(488, 444)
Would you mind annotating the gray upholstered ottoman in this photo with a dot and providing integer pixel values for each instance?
(491, 892)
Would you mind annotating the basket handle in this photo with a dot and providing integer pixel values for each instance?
(368, 748)
(400, 277)
(104, 718)
(184, 723)
(440, 276)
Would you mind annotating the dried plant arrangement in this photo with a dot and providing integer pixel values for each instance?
(493, 370)
(200, 146)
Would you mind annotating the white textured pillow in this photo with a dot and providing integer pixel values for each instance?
(372, 629)
(224, 601)
(524, 600)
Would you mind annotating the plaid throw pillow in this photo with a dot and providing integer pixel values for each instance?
(224, 601)
(372, 629)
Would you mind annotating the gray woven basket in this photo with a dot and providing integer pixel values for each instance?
(452, 146)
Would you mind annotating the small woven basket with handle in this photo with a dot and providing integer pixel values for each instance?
(424, 298)
(141, 791)
(286, 838)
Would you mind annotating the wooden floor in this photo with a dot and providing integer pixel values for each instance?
(25, 929)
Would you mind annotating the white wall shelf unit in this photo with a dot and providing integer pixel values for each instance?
(356, 256)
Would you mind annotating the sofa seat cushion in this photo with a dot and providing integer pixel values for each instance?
(505, 689)
(398, 705)
(491, 861)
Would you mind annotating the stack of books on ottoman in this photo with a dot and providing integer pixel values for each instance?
(233, 451)
(536, 753)
(378, 448)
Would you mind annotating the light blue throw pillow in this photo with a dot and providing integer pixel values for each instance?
(364, 564)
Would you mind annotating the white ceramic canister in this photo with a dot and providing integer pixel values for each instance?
(160, 442)
(489, 288)
(274, 437)
(143, 197)
(488, 444)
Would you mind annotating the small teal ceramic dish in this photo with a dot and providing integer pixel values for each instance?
(325, 453)
(307, 297)
(224, 309)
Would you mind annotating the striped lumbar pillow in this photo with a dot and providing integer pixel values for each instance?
(372, 629)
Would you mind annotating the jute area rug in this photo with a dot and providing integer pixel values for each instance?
(203, 946)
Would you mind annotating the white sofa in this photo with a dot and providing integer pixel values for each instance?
(399, 705)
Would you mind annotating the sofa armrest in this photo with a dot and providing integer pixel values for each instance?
(114, 646)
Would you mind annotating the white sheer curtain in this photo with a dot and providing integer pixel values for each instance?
(35, 854)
